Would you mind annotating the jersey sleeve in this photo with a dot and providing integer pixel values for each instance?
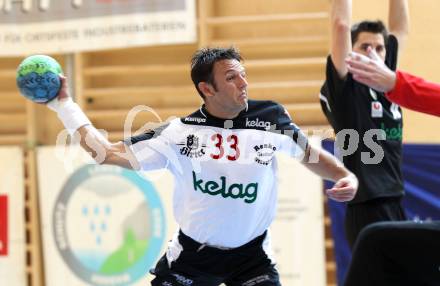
(294, 141)
(333, 94)
(151, 149)
(416, 93)
(392, 52)
(333, 86)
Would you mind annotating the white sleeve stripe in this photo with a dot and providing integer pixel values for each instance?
(324, 99)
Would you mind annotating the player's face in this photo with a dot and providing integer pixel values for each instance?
(230, 93)
(367, 39)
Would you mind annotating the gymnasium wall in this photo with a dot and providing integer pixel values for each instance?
(284, 42)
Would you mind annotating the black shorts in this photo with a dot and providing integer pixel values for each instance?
(200, 265)
(360, 215)
(396, 254)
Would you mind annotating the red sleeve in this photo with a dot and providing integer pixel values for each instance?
(416, 93)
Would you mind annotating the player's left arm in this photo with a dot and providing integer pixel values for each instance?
(326, 165)
(398, 20)
(329, 167)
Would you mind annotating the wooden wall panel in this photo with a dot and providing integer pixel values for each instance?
(258, 7)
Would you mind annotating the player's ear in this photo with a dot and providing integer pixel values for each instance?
(206, 88)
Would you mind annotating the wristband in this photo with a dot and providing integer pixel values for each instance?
(69, 113)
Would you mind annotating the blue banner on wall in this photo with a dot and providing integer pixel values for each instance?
(421, 173)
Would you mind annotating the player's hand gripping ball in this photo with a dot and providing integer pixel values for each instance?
(38, 78)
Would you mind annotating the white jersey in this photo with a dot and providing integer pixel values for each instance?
(225, 170)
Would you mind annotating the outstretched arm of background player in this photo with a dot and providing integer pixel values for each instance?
(91, 140)
(402, 88)
(371, 70)
(398, 20)
(328, 167)
(340, 22)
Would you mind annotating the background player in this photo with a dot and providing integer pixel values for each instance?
(396, 253)
(349, 105)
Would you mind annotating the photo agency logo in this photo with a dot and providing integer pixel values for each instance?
(195, 142)
(108, 225)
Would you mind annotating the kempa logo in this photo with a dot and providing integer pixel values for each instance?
(257, 123)
(235, 191)
(195, 119)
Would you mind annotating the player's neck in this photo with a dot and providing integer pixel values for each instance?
(222, 113)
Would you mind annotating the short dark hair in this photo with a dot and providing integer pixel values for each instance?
(203, 60)
(375, 27)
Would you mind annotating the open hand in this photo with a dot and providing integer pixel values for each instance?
(344, 189)
(371, 71)
(63, 95)
(64, 90)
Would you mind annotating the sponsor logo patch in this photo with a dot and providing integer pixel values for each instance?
(265, 153)
(235, 190)
(195, 119)
(376, 109)
(192, 147)
(258, 123)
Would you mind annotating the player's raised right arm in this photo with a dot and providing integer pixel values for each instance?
(91, 140)
(398, 20)
(340, 22)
